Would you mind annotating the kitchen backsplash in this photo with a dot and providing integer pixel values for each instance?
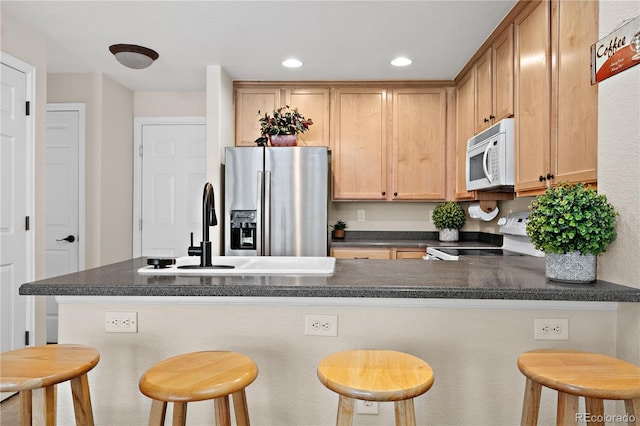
(380, 216)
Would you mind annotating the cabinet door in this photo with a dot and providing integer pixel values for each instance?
(574, 146)
(407, 253)
(418, 160)
(464, 130)
(484, 91)
(313, 104)
(533, 91)
(503, 75)
(248, 102)
(359, 142)
(360, 253)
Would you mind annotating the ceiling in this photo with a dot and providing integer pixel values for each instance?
(336, 40)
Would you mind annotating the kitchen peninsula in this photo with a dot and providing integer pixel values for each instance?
(469, 320)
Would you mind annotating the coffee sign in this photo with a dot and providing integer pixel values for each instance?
(616, 52)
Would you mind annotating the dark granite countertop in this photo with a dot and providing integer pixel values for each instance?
(490, 277)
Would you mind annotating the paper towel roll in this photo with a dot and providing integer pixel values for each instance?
(476, 212)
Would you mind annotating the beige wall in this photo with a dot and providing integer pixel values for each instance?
(472, 347)
(169, 104)
(109, 162)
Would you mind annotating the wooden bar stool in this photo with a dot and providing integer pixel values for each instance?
(23, 370)
(375, 375)
(574, 374)
(199, 376)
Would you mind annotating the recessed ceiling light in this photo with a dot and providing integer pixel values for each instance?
(401, 62)
(292, 63)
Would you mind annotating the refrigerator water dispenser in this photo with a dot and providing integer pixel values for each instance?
(243, 229)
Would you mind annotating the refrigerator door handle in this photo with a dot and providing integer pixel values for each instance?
(267, 214)
(259, 215)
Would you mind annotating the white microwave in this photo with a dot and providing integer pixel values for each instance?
(490, 158)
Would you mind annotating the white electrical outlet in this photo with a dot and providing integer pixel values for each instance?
(320, 325)
(551, 329)
(121, 322)
(366, 407)
(360, 215)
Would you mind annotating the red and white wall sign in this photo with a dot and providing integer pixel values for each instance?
(616, 52)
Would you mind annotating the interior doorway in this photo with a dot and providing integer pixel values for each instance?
(169, 174)
(65, 218)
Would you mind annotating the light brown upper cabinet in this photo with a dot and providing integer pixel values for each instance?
(555, 104)
(312, 103)
(359, 145)
(494, 82)
(389, 144)
(248, 102)
(465, 126)
(418, 146)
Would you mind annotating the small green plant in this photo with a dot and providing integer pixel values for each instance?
(570, 218)
(448, 215)
(282, 121)
(339, 225)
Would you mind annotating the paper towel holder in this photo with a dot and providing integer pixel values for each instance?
(488, 206)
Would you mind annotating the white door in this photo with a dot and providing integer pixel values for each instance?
(173, 170)
(63, 235)
(15, 259)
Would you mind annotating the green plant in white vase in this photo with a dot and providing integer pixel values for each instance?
(448, 217)
(572, 224)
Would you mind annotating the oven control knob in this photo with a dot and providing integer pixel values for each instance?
(502, 221)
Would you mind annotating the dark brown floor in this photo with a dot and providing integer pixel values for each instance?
(10, 411)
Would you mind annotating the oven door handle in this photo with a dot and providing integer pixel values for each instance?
(484, 163)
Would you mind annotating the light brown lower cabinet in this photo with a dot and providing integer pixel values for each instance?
(377, 253)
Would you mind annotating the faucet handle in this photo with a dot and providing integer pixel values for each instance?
(193, 250)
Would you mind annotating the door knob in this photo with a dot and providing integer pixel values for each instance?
(68, 239)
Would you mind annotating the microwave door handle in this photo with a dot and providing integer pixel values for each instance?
(484, 163)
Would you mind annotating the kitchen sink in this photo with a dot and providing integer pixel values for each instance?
(247, 265)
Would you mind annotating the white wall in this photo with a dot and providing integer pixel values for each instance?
(169, 104)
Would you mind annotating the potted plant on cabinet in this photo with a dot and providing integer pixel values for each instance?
(448, 217)
(572, 224)
(282, 126)
(337, 232)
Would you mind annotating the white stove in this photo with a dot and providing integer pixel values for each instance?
(515, 242)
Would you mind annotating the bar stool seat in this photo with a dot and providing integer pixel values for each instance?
(23, 370)
(199, 376)
(375, 375)
(577, 374)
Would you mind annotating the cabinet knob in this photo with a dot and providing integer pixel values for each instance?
(486, 120)
(491, 117)
(542, 178)
(550, 176)
(384, 193)
(395, 194)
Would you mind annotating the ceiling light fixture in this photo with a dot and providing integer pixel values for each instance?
(401, 62)
(291, 63)
(133, 56)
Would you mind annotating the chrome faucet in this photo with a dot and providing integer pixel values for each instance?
(208, 219)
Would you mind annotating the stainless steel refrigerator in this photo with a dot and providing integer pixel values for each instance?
(276, 201)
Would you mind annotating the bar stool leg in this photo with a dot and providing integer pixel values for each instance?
(82, 400)
(223, 416)
(345, 411)
(567, 409)
(240, 408)
(595, 408)
(25, 408)
(633, 409)
(158, 413)
(179, 413)
(531, 405)
(50, 394)
(405, 413)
